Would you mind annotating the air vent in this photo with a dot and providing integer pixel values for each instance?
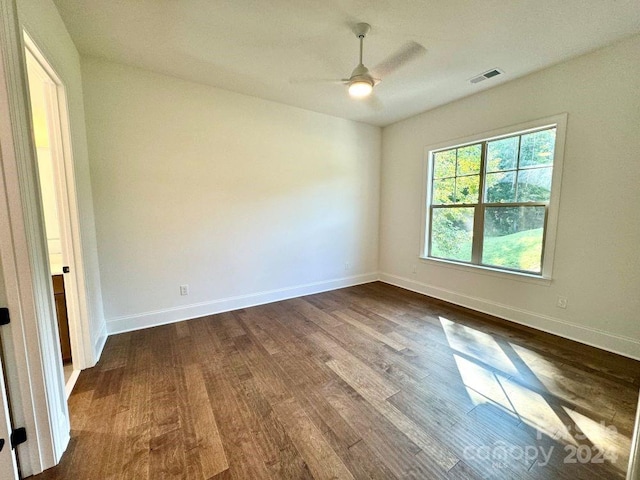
(484, 76)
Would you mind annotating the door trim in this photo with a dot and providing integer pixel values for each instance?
(8, 461)
(40, 381)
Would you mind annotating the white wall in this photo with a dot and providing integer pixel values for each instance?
(597, 261)
(43, 152)
(45, 164)
(41, 19)
(50, 207)
(243, 199)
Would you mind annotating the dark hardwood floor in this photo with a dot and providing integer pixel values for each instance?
(365, 382)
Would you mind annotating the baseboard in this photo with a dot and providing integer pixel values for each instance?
(621, 345)
(99, 343)
(177, 314)
(68, 386)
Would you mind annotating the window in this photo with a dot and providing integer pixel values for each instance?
(490, 200)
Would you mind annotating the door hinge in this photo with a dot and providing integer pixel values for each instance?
(5, 319)
(18, 436)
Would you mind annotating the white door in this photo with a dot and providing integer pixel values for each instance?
(50, 121)
(8, 462)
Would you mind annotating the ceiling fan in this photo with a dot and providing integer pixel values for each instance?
(361, 82)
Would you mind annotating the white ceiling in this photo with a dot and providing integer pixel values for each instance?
(256, 47)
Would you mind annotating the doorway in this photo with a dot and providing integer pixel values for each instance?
(56, 188)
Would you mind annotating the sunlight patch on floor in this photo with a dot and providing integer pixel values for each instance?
(482, 385)
(612, 445)
(486, 386)
(534, 410)
(478, 345)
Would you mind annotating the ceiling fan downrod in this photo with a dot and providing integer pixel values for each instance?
(361, 82)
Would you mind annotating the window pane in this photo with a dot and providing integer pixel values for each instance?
(502, 154)
(444, 191)
(500, 187)
(534, 185)
(513, 237)
(536, 149)
(469, 159)
(444, 164)
(452, 233)
(467, 189)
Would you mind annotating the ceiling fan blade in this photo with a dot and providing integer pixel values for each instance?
(339, 81)
(409, 52)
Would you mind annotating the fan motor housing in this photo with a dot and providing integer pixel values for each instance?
(360, 71)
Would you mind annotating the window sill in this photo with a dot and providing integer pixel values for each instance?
(493, 272)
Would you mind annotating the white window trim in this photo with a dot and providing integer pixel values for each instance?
(560, 122)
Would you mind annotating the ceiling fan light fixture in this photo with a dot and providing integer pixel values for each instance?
(360, 88)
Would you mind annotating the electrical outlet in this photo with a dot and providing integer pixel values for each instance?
(347, 266)
(562, 302)
(184, 289)
(415, 269)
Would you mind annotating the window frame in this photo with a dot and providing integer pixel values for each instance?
(552, 206)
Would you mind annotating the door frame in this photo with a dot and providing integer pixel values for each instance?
(68, 214)
(8, 460)
(37, 395)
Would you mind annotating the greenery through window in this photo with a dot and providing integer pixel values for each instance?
(489, 201)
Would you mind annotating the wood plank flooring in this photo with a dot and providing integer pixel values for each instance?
(368, 382)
